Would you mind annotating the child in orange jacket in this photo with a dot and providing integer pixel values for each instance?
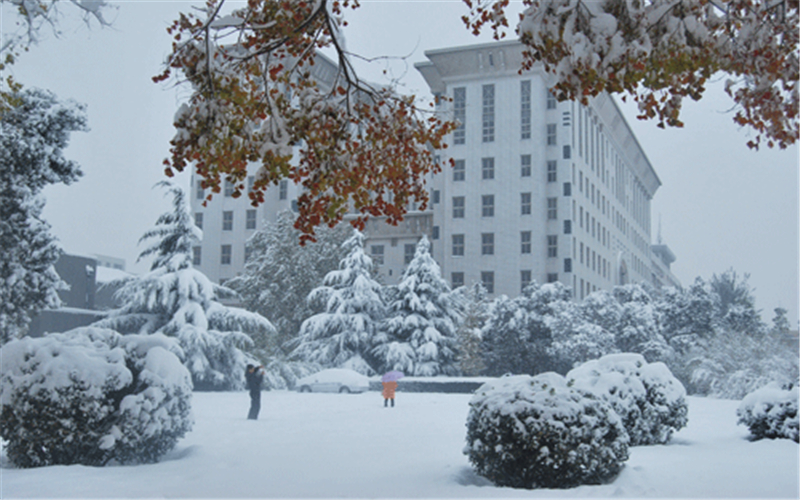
(388, 392)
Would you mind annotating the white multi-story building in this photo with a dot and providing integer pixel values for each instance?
(539, 190)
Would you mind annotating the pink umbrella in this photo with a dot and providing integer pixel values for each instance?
(392, 376)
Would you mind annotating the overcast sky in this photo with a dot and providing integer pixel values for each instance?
(721, 205)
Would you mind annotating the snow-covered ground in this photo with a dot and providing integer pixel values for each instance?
(335, 446)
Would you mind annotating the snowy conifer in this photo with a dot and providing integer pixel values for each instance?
(343, 334)
(638, 329)
(179, 301)
(280, 273)
(34, 130)
(419, 334)
(474, 315)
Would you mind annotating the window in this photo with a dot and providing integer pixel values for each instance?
(283, 189)
(250, 220)
(568, 227)
(567, 265)
(228, 188)
(568, 189)
(487, 243)
(551, 134)
(487, 205)
(200, 193)
(227, 220)
(525, 109)
(552, 245)
(456, 280)
(435, 233)
(460, 114)
(525, 279)
(408, 253)
(552, 277)
(551, 101)
(552, 208)
(525, 241)
(458, 245)
(567, 154)
(198, 220)
(487, 168)
(435, 196)
(251, 180)
(459, 170)
(488, 113)
(525, 165)
(552, 171)
(225, 254)
(487, 280)
(196, 256)
(525, 203)
(458, 207)
(377, 254)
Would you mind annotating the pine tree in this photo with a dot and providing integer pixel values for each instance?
(280, 273)
(419, 334)
(474, 315)
(343, 334)
(638, 329)
(34, 130)
(179, 301)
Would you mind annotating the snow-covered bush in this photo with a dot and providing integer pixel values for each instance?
(649, 399)
(91, 395)
(537, 432)
(771, 412)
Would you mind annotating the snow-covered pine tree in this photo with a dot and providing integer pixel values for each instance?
(179, 301)
(280, 273)
(34, 130)
(474, 315)
(639, 328)
(342, 335)
(509, 342)
(418, 336)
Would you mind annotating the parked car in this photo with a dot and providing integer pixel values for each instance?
(334, 380)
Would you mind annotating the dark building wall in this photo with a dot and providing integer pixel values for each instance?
(62, 320)
(79, 273)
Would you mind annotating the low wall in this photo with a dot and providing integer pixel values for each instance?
(449, 385)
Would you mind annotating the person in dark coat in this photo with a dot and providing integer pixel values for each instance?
(253, 377)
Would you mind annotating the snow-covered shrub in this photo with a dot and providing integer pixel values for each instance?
(648, 398)
(537, 432)
(91, 395)
(771, 412)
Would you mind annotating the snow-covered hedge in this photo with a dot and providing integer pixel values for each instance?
(537, 432)
(771, 412)
(91, 395)
(648, 398)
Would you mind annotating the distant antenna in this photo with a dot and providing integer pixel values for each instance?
(659, 229)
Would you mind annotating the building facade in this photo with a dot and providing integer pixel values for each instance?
(539, 189)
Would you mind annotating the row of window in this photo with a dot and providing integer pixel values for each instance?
(488, 113)
(228, 188)
(488, 205)
(488, 169)
(225, 255)
(487, 279)
(227, 220)
(458, 244)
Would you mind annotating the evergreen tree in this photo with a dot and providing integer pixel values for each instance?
(474, 315)
(638, 329)
(34, 130)
(343, 334)
(505, 339)
(419, 334)
(280, 273)
(737, 304)
(179, 301)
